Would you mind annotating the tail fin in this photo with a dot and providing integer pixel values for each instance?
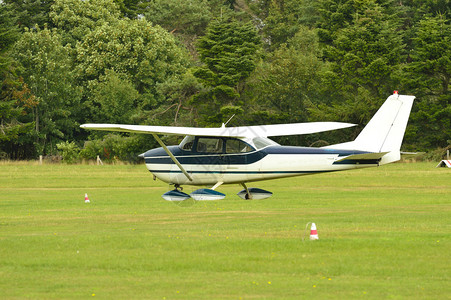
(385, 131)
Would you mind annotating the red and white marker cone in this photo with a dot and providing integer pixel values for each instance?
(313, 233)
(86, 198)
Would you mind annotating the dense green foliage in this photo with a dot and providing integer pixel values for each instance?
(197, 62)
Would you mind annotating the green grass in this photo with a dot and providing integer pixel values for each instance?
(384, 233)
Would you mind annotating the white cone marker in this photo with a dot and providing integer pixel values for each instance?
(313, 233)
(86, 198)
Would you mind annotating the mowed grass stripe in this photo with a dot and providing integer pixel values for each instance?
(384, 233)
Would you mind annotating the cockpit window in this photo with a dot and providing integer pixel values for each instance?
(209, 145)
(216, 145)
(261, 142)
(237, 146)
(187, 143)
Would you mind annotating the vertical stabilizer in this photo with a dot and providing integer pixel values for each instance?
(385, 131)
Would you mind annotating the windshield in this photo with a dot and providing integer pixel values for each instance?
(262, 142)
(187, 143)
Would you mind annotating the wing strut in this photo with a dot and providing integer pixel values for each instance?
(174, 159)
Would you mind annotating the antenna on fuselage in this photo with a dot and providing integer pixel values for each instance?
(224, 124)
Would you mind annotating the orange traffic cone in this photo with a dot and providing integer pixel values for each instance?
(313, 233)
(86, 198)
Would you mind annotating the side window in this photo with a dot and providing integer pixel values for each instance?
(209, 145)
(237, 146)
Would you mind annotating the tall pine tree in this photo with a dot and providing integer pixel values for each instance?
(229, 52)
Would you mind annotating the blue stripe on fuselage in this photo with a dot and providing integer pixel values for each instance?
(159, 156)
(241, 172)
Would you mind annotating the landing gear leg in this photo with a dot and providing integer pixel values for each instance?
(248, 195)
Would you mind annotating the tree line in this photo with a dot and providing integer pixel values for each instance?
(197, 63)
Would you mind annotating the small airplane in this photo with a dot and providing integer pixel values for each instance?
(239, 155)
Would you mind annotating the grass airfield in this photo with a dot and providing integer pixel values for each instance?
(384, 233)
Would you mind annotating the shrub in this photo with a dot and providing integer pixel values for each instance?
(69, 151)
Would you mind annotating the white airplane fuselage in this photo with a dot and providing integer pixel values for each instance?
(215, 156)
(267, 163)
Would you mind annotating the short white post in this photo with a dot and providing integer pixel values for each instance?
(40, 159)
(99, 161)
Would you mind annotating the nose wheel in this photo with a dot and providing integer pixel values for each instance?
(176, 194)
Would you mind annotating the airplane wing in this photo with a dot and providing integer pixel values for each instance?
(239, 132)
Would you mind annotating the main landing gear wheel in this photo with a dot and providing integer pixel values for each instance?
(245, 194)
(253, 193)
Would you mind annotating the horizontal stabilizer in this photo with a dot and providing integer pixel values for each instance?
(364, 156)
